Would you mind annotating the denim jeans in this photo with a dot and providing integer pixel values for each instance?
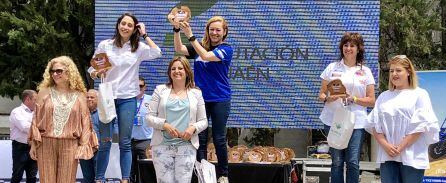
(88, 168)
(218, 112)
(125, 110)
(350, 156)
(22, 162)
(396, 172)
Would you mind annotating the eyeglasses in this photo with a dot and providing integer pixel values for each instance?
(141, 86)
(57, 71)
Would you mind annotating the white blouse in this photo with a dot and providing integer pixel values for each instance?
(402, 112)
(124, 73)
(355, 79)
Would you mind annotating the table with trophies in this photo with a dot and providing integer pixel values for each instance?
(258, 164)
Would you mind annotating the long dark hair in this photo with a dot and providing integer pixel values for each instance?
(356, 39)
(134, 38)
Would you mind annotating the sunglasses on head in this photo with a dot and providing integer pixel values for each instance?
(57, 71)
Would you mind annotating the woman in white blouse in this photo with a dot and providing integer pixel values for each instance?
(125, 52)
(404, 124)
(177, 114)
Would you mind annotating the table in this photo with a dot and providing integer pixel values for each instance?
(243, 172)
(324, 165)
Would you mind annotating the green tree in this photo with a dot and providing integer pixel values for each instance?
(34, 31)
(407, 27)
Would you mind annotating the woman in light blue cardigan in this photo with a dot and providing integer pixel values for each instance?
(177, 114)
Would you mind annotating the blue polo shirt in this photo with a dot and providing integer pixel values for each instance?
(212, 77)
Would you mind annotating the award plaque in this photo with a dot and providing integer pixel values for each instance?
(235, 156)
(149, 152)
(100, 61)
(272, 155)
(255, 156)
(336, 88)
(179, 14)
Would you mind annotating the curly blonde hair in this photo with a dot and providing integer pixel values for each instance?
(75, 81)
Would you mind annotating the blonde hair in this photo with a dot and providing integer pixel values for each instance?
(206, 42)
(407, 64)
(75, 81)
(186, 66)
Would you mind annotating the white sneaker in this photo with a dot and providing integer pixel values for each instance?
(223, 179)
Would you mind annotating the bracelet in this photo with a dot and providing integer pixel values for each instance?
(144, 36)
(176, 30)
(192, 38)
(355, 99)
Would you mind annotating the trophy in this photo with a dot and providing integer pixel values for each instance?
(336, 88)
(235, 156)
(179, 14)
(100, 62)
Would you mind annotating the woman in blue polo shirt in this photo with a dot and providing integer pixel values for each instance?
(212, 60)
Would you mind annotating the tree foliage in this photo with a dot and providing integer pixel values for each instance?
(407, 27)
(34, 31)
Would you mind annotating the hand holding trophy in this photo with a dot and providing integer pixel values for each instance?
(101, 64)
(179, 14)
(337, 90)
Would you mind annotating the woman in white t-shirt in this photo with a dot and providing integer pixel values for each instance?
(404, 124)
(360, 86)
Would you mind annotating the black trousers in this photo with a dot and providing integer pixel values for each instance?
(139, 152)
(21, 161)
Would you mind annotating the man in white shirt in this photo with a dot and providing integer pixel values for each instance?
(21, 118)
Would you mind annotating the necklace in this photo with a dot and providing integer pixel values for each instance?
(178, 93)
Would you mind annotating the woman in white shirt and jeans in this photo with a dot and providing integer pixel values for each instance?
(404, 124)
(125, 52)
(360, 86)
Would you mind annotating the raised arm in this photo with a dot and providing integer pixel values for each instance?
(203, 53)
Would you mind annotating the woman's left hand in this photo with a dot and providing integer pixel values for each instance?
(188, 133)
(141, 28)
(186, 29)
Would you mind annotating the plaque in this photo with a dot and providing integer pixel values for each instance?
(235, 156)
(336, 88)
(255, 156)
(272, 155)
(179, 14)
(100, 62)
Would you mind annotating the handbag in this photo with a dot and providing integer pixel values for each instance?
(205, 172)
(106, 102)
(341, 128)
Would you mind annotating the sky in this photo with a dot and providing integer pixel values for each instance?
(435, 84)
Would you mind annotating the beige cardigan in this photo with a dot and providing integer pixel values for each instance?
(157, 113)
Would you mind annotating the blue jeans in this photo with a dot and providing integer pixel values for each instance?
(218, 112)
(396, 172)
(88, 168)
(350, 156)
(125, 110)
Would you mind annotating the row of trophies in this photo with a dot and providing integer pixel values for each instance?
(258, 154)
(240, 154)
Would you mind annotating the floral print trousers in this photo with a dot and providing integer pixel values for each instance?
(174, 164)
